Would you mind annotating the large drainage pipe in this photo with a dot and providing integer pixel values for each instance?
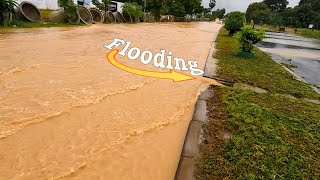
(29, 11)
(119, 17)
(97, 16)
(85, 15)
(58, 17)
(109, 17)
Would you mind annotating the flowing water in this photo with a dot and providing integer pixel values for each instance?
(65, 112)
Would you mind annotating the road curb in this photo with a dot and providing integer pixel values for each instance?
(193, 139)
(185, 170)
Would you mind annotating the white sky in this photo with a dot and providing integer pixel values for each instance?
(239, 5)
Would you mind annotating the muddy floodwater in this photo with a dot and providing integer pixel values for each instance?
(66, 113)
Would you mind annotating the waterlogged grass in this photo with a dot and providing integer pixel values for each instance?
(275, 137)
(260, 71)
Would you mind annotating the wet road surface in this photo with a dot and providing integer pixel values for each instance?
(301, 54)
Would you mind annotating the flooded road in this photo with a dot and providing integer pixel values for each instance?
(65, 112)
(300, 54)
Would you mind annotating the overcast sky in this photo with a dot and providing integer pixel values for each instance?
(240, 5)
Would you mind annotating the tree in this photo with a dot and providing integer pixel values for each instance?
(235, 21)
(261, 17)
(103, 6)
(212, 4)
(276, 5)
(248, 37)
(155, 7)
(258, 12)
(6, 8)
(219, 13)
(70, 10)
(133, 9)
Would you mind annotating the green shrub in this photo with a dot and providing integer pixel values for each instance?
(234, 22)
(6, 8)
(249, 36)
(133, 9)
(70, 9)
(103, 5)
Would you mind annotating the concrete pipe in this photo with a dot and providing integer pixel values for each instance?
(149, 17)
(58, 17)
(119, 17)
(127, 17)
(7, 19)
(97, 16)
(28, 11)
(109, 17)
(85, 15)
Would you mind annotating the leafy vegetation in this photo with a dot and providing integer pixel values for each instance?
(260, 71)
(70, 10)
(276, 12)
(133, 9)
(258, 12)
(249, 36)
(234, 22)
(103, 5)
(7, 8)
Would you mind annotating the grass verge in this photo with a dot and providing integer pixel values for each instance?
(260, 71)
(308, 33)
(272, 136)
(315, 34)
(25, 24)
(275, 137)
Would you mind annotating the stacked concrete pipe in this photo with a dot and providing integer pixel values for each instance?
(97, 16)
(109, 17)
(148, 17)
(7, 19)
(85, 15)
(28, 11)
(58, 17)
(127, 17)
(119, 17)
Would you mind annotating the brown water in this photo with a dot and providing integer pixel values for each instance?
(65, 112)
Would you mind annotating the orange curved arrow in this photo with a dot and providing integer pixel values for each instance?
(175, 76)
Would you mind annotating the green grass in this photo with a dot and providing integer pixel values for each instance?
(43, 23)
(308, 33)
(315, 34)
(275, 137)
(260, 71)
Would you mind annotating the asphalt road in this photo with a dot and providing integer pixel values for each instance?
(300, 54)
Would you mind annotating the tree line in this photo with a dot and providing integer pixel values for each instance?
(277, 12)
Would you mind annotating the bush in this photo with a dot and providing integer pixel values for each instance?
(70, 9)
(248, 37)
(6, 8)
(133, 9)
(234, 22)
